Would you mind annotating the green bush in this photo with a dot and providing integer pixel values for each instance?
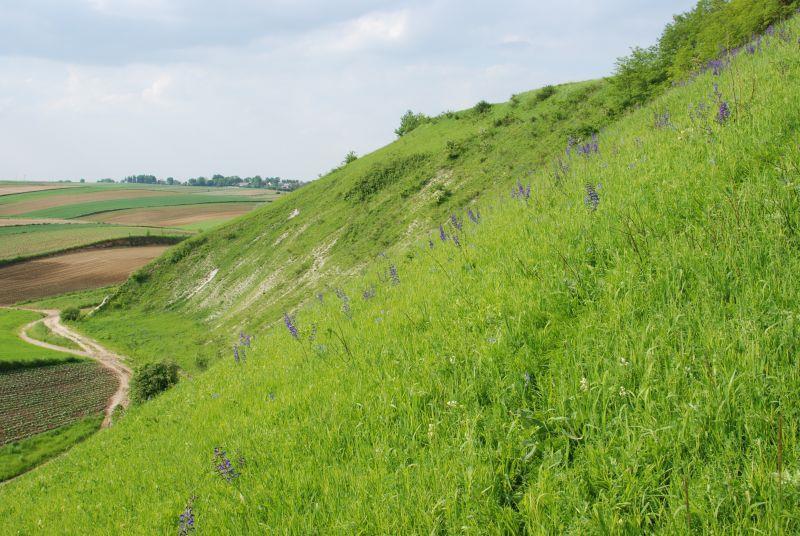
(409, 122)
(482, 107)
(545, 93)
(153, 378)
(71, 314)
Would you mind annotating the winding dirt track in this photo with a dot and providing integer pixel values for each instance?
(89, 348)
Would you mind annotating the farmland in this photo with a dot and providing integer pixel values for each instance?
(14, 353)
(51, 220)
(36, 400)
(34, 240)
(70, 272)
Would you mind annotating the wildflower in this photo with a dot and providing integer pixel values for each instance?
(624, 362)
(724, 112)
(662, 120)
(431, 431)
(430, 243)
(223, 465)
(186, 519)
(456, 223)
(442, 234)
(592, 198)
(716, 67)
(369, 293)
(570, 144)
(474, 218)
(623, 392)
(452, 404)
(244, 339)
(393, 275)
(236, 353)
(243, 354)
(345, 301)
(456, 241)
(584, 384)
(289, 321)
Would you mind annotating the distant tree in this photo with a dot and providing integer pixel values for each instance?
(170, 181)
(409, 122)
(482, 107)
(350, 157)
(83, 180)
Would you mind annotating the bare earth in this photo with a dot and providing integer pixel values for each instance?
(173, 216)
(90, 349)
(74, 271)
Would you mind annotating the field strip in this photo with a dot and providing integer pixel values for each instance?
(91, 349)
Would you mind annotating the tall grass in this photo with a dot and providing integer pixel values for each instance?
(550, 369)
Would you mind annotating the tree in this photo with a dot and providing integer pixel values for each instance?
(153, 378)
(409, 122)
(350, 157)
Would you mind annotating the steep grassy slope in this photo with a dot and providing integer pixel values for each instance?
(585, 360)
(275, 257)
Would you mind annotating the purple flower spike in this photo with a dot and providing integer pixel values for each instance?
(442, 234)
(236, 353)
(724, 113)
(474, 218)
(289, 321)
(454, 220)
(186, 520)
(223, 465)
(456, 241)
(393, 275)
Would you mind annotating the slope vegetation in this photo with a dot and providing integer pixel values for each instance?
(612, 349)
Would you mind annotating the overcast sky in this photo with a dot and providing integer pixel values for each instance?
(106, 88)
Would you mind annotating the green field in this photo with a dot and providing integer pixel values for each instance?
(485, 328)
(31, 240)
(78, 210)
(81, 299)
(20, 456)
(41, 332)
(14, 353)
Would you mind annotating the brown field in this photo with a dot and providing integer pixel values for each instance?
(173, 216)
(8, 189)
(74, 271)
(51, 201)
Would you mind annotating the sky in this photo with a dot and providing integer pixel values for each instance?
(184, 88)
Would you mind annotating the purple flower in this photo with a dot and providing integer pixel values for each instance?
(430, 243)
(236, 353)
(474, 218)
(456, 241)
(442, 234)
(454, 220)
(716, 67)
(662, 120)
(186, 519)
(345, 301)
(592, 198)
(223, 465)
(521, 192)
(289, 321)
(369, 293)
(393, 275)
(724, 112)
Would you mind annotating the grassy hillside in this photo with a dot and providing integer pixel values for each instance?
(615, 352)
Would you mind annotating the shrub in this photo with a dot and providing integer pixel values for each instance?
(350, 157)
(71, 314)
(409, 122)
(153, 378)
(454, 149)
(482, 107)
(545, 93)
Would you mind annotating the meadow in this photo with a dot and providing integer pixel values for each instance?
(604, 342)
(14, 353)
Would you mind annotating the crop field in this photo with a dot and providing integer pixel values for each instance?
(15, 353)
(43, 398)
(58, 219)
(51, 276)
(32, 240)
(187, 216)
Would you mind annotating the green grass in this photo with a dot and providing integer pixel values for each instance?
(81, 299)
(19, 457)
(41, 332)
(15, 353)
(560, 370)
(31, 240)
(78, 210)
(204, 225)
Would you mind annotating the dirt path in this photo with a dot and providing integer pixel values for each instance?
(89, 348)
